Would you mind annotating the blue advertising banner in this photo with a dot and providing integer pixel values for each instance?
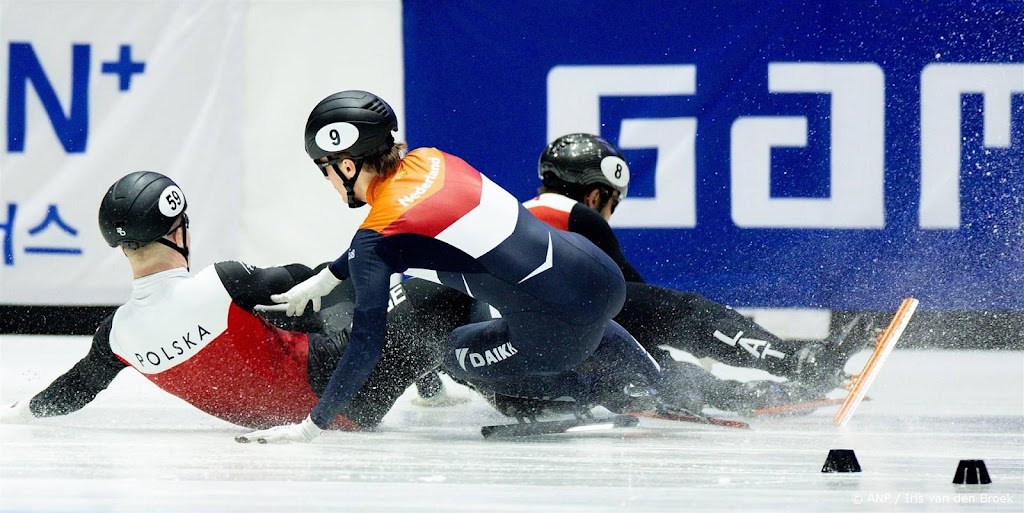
(782, 154)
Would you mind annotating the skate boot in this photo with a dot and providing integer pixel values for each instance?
(622, 395)
(680, 388)
(431, 393)
(820, 364)
(746, 398)
(684, 388)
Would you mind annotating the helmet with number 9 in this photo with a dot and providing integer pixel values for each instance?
(140, 208)
(356, 123)
(582, 160)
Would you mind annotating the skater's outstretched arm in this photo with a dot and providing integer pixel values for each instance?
(75, 388)
(250, 286)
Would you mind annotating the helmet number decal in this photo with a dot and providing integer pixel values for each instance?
(172, 201)
(337, 136)
(615, 170)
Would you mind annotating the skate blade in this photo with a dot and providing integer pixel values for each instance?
(551, 427)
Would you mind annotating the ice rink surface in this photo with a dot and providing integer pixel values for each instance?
(137, 449)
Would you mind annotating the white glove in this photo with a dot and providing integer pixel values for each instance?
(314, 288)
(304, 432)
(16, 413)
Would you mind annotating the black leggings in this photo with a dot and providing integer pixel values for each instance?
(692, 323)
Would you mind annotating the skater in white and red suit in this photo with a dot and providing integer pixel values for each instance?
(198, 337)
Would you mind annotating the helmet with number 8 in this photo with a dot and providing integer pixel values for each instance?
(357, 123)
(141, 208)
(580, 160)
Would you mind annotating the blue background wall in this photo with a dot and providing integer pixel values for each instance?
(476, 86)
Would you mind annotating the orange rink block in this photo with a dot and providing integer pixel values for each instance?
(883, 346)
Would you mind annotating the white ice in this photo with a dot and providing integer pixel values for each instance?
(137, 449)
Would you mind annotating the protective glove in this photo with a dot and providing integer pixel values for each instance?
(16, 413)
(314, 288)
(304, 432)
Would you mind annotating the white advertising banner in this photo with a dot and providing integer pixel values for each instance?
(91, 92)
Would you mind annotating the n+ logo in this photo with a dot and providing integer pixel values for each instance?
(71, 123)
(124, 67)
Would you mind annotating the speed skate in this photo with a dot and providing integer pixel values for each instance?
(583, 421)
(857, 385)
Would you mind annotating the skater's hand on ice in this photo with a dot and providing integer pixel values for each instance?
(312, 289)
(16, 413)
(303, 432)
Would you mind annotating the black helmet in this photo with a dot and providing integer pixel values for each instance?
(581, 160)
(355, 122)
(140, 208)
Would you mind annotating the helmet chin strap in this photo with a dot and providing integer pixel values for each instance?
(183, 250)
(350, 183)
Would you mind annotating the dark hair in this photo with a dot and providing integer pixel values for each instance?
(578, 192)
(385, 164)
